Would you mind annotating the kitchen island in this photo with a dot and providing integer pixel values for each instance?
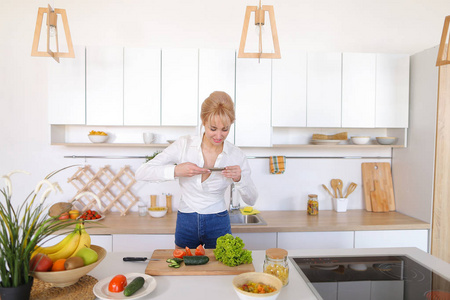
(219, 287)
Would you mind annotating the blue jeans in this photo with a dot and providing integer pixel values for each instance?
(195, 229)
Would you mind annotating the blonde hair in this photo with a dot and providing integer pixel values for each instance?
(218, 104)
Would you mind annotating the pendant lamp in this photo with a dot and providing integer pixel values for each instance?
(52, 32)
(259, 13)
(444, 53)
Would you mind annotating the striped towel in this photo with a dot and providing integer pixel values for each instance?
(277, 164)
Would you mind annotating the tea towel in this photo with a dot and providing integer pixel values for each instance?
(277, 164)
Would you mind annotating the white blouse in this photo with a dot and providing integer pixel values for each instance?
(196, 196)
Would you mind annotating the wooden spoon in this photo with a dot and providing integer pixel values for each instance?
(334, 186)
(339, 187)
(350, 189)
(325, 187)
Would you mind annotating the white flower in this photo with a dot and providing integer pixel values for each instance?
(91, 194)
(8, 180)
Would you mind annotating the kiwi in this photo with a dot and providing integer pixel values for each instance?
(73, 263)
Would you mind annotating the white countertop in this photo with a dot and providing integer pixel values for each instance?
(195, 287)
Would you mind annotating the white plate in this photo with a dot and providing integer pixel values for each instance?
(101, 287)
(326, 142)
(325, 267)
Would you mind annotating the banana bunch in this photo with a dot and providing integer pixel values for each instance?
(68, 247)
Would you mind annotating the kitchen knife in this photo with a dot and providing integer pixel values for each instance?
(138, 259)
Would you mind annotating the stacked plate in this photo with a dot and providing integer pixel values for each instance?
(325, 142)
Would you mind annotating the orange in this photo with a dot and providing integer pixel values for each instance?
(59, 265)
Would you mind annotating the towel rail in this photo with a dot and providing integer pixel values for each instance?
(249, 157)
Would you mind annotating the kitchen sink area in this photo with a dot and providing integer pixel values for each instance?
(237, 218)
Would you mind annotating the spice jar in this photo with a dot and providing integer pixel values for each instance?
(313, 205)
(276, 264)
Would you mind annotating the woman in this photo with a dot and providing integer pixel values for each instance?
(202, 212)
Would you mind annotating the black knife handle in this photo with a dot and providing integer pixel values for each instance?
(134, 258)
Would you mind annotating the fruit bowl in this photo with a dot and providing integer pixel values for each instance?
(257, 277)
(69, 277)
(95, 138)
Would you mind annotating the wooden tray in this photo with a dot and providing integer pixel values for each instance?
(213, 267)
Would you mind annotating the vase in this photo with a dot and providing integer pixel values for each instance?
(21, 292)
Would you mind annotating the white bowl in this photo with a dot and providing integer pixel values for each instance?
(257, 277)
(95, 138)
(157, 213)
(360, 140)
(386, 140)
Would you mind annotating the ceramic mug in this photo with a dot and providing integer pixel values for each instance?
(148, 137)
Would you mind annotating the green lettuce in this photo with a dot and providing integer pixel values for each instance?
(230, 251)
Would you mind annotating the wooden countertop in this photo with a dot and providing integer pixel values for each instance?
(277, 221)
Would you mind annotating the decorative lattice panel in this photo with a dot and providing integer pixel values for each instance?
(113, 190)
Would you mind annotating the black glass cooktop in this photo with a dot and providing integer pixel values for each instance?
(371, 278)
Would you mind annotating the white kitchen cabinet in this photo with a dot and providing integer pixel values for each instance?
(253, 103)
(324, 90)
(66, 89)
(179, 93)
(289, 89)
(102, 240)
(217, 69)
(392, 238)
(104, 85)
(258, 241)
(142, 87)
(358, 90)
(392, 91)
(315, 240)
(142, 242)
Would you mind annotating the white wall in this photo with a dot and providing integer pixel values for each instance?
(404, 26)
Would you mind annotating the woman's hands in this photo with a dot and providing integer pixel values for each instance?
(233, 172)
(188, 169)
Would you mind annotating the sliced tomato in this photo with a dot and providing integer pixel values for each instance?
(200, 250)
(188, 251)
(179, 253)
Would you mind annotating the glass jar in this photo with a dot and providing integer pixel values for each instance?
(313, 205)
(142, 209)
(276, 264)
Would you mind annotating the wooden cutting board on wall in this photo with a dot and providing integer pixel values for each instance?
(213, 267)
(378, 187)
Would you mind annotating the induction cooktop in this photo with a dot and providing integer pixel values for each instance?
(371, 277)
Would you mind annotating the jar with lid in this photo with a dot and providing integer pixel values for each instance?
(313, 205)
(276, 264)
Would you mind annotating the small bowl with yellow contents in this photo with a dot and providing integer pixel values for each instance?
(256, 285)
(157, 211)
(97, 136)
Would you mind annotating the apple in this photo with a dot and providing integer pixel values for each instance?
(64, 216)
(40, 263)
(88, 255)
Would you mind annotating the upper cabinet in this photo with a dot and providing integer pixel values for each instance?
(253, 103)
(358, 90)
(104, 86)
(66, 89)
(216, 73)
(324, 90)
(289, 90)
(179, 92)
(142, 87)
(392, 91)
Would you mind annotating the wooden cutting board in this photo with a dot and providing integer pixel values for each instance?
(377, 186)
(213, 267)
